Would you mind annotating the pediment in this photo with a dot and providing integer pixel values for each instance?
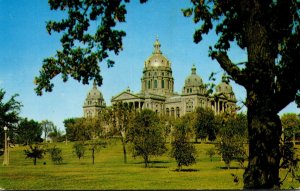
(125, 96)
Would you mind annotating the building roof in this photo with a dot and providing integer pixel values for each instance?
(94, 94)
(193, 80)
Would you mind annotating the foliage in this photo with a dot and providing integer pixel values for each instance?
(183, 151)
(56, 155)
(205, 124)
(9, 116)
(290, 161)
(121, 117)
(146, 136)
(47, 127)
(79, 150)
(82, 129)
(55, 135)
(269, 32)
(81, 50)
(96, 145)
(210, 152)
(233, 136)
(28, 132)
(291, 125)
(35, 152)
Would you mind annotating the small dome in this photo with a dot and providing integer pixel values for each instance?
(94, 97)
(94, 94)
(157, 59)
(225, 88)
(193, 80)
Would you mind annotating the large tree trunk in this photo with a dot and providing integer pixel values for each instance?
(264, 128)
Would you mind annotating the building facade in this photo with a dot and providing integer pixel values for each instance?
(157, 90)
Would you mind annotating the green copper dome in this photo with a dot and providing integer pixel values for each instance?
(94, 97)
(193, 80)
(225, 88)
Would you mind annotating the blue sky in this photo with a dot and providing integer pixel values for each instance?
(24, 43)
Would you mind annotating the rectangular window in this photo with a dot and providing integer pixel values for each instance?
(155, 83)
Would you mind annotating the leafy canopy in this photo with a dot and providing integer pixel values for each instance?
(82, 49)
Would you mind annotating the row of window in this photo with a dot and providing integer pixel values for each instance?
(155, 84)
(173, 112)
(90, 102)
(159, 74)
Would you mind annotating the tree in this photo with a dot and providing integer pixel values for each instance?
(47, 127)
(291, 125)
(35, 152)
(232, 137)
(79, 150)
(81, 51)
(121, 116)
(269, 33)
(210, 152)
(146, 136)
(56, 155)
(83, 129)
(28, 132)
(9, 116)
(94, 146)
(183, 151)
(55, 135)
(205, 124)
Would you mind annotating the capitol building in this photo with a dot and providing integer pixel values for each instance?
(157, 91)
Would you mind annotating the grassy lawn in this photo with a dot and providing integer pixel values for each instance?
(109, 172)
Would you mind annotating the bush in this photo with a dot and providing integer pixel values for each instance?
(56, 155)
(79, 150)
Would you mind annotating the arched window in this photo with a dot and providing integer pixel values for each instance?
(155, 83)
(149, 84)
(167, 112)
(163, 84)
(172, 112)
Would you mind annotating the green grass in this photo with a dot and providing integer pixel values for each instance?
(109, 172)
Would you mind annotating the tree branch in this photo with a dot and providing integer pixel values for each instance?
(231, 69)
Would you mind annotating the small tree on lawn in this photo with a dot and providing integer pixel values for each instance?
(233, 135)
(94, 146)
(56, 155)
(35, 152)
(210, 152)
(79, 150)
(183, 151)
(146, 136)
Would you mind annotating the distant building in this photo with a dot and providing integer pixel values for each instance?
(157, 90)
(93, 103)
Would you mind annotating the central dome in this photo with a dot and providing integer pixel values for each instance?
(157, 59)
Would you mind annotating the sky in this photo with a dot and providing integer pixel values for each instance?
(24, 43)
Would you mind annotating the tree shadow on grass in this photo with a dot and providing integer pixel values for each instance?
(186, 170)
(151, 162)
(231, 167)
(154, 164)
